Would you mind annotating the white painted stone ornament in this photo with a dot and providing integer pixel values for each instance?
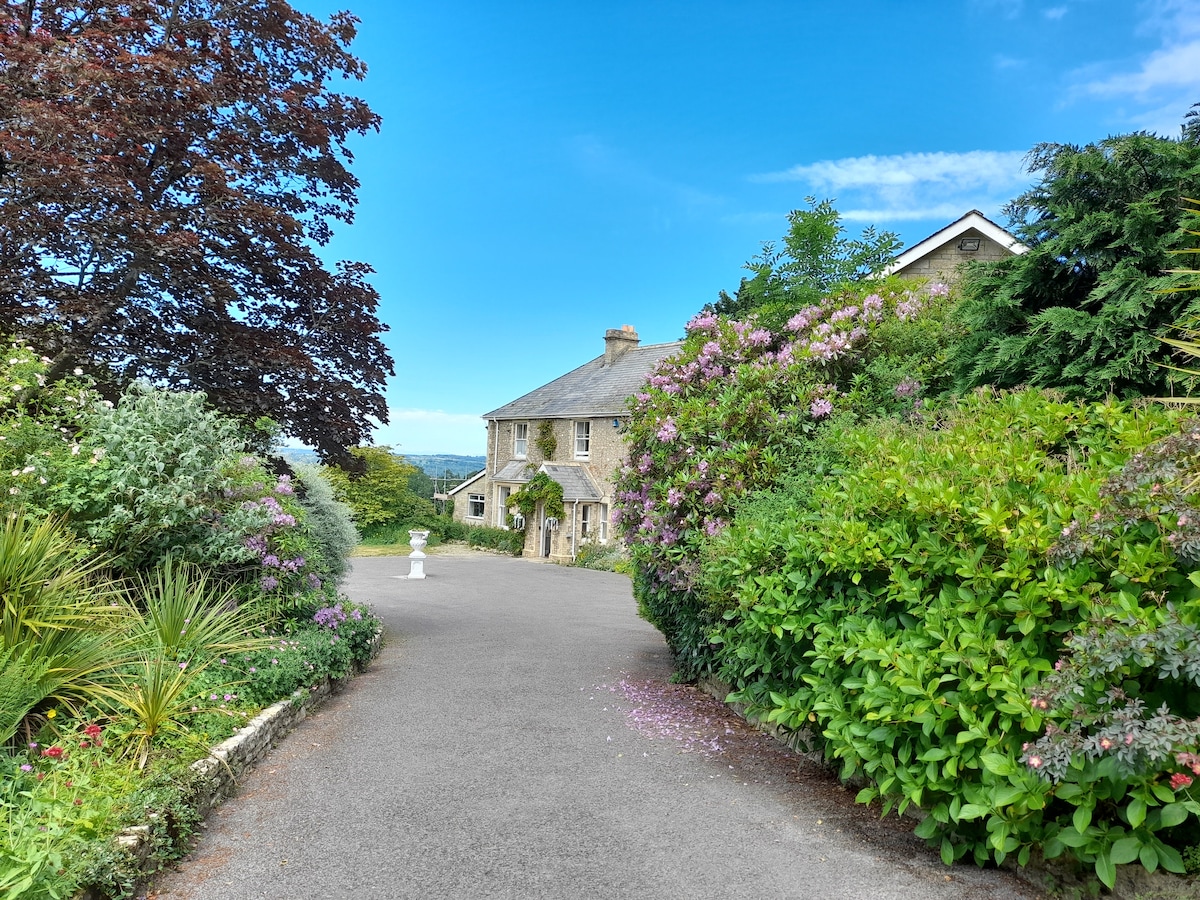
(416, 560)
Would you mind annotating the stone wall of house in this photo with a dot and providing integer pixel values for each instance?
(943, 263)
(462, 501)
(606, 450)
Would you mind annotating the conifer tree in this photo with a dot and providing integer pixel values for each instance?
(1083, 309)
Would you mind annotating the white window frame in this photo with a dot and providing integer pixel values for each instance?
(585, 520)
(473, 499)
(520, 440)
(604, 523)
(503, 492)
(585, 439)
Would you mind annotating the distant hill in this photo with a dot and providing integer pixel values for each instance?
(440, 463)
(432, 464)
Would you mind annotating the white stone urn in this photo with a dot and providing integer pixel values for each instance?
(416, 560)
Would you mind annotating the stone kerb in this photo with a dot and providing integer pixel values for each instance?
(218, 773)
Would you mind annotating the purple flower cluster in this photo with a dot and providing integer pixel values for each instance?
(692, 455)
(266, 545)
(333, 616)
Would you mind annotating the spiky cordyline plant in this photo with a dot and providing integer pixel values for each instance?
(187, 625)
(59, 623)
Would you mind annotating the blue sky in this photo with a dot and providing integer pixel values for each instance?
(548, 169)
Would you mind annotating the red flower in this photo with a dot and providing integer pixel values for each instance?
(53, 752)
(1180, 780)
(92, 731)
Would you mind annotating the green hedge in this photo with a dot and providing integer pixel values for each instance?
(906, 610)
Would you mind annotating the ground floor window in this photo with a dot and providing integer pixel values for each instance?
(474, 506)
(503, 493)
(603, 523)
(585, 520)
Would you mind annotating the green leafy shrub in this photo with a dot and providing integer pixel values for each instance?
(154, 484)
(609, 557)
(541, 488)
(503, 539)
(739, 407)
(330, 643)
(1083, 309)
(330, 522)
(381, 496)
(905, 610)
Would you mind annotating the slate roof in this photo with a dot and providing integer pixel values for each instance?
(592, 390)
(465, 484)
(576, 483)
(516, 470)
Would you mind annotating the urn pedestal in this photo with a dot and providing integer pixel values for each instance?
(416, 560)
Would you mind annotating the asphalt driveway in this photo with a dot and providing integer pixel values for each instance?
(518, 738)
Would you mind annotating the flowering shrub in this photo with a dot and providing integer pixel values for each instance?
(39, 423)
(905, 613)
(736, 408)
(161, 475)
(330, 643)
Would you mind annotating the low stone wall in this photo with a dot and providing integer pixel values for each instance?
(233, 757)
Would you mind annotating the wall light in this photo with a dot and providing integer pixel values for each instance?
(969, 244)
(616, 423)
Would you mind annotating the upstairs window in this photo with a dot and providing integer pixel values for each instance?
(583, 440)
(520, 440)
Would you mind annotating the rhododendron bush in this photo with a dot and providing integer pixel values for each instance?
(736, 408)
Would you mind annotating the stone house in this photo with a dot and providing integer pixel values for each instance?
(939, 256)
(571, 429)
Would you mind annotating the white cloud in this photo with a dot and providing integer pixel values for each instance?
(912, 186)
(1002, 62)
(433, 431)
(942, 211)
(1155, 90)
(1170, 67)
(976, 168)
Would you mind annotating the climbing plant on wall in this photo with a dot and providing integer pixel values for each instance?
(540, 489)
(545, 441)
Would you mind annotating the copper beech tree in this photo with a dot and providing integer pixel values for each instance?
(167, 169)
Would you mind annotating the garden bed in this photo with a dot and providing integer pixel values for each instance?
(218, 773)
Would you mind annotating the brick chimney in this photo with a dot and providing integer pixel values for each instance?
(618, 342)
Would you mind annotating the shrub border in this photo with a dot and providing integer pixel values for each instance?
(1133, 882)
(219, 772)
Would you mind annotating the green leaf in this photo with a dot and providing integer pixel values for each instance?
(927, 828)
(1072, 838)
(1170, 858)
(1148, 857)
(934, 755)
(1082, 818)
(1135, 812)
(1105, 870)
(1173, 814)
(1126, 850)
(1007, 794)
(999, 764)
(972, 811)
(947, 851)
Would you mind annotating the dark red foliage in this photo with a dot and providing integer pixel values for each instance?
(166, 169)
